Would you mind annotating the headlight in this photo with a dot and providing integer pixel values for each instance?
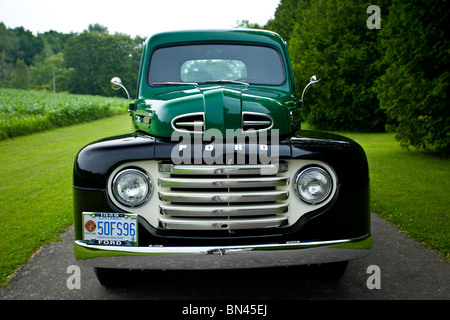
(132, 187)
(313, 185)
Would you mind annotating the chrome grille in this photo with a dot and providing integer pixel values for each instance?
(223, 197)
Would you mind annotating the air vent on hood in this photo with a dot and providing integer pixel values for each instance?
(252, 121)
(191, 122)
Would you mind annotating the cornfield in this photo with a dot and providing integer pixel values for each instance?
(24, 112)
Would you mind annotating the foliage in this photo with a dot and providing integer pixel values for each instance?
(286, 16)
(331, 40)
(76, 63)
(414, 91)
(50, 74)
(247, 24)
(97, 56)
(20, 44)
(396, 77)
(19, 77)
(24, 112)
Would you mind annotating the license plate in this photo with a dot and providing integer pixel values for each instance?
(111, 229)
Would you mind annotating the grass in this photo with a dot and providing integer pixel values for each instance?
(36, 189)
(409, 189)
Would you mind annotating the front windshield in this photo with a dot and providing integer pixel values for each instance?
(209, 63)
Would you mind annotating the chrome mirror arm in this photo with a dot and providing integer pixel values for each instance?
(116, 84)
(313, 80)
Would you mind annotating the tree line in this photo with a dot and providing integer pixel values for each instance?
(79, 63)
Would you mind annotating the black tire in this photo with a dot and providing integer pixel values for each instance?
(331, 271)
(110, 277)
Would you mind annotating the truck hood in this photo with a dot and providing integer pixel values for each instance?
(201, 110)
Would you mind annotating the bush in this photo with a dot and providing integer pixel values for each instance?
(414, 90)
(331, 40)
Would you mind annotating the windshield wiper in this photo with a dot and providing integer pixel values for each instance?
(227, 81)
(174, 83)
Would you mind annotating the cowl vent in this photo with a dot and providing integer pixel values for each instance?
(191, 123)
(254, 122)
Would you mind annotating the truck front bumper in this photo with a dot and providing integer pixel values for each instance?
(223, 257)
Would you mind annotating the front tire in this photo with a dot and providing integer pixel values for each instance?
(331, 271)
(110, 277)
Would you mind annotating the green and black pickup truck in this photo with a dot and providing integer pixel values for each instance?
(215, 175)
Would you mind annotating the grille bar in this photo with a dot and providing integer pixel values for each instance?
(269, 169)
(223, 183)
(223, 224)
(214, 211)
(225, 197)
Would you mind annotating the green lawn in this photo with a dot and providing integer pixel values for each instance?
(36, 189)
(409, 189)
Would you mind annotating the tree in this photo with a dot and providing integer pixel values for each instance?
(95, 57)
(287, 15)
(54, 40)
(98, 28)
(27, 45)
(247, 25)
(331, 39)
(19, 77)
(414, 91)
(20, 44)
(49, 73)
(8, 44)
(79, 63)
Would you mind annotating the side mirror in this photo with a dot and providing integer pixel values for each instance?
(313, 80)
(116, 84)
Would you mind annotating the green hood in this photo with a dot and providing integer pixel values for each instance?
(216, 107)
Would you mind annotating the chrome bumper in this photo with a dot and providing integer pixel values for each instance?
(225, 257)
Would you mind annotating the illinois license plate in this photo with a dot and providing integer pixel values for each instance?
(111, 229)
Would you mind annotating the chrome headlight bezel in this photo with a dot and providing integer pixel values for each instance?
(140, 177)
(305, 178)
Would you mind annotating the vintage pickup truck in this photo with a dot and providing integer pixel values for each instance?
(215, 175)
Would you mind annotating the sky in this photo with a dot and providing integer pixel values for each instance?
(133, 17)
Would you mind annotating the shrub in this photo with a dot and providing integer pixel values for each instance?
(414, 90)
